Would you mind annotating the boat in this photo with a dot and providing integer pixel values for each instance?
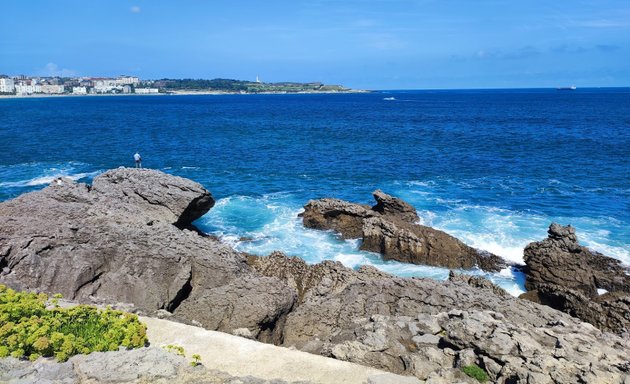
(389, 98)
(571, 88)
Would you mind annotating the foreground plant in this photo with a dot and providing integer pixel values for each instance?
(176, 349)
(476, 372)
(196, 360)
(29, 329)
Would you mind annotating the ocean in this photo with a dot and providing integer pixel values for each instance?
(491, 167)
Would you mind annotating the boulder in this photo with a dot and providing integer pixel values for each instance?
(128, 238)
(394, 207)
(390, 228)
(567, 276)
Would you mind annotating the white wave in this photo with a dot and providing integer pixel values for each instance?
(45, 180)
(616, 252)
(351, 260)
(270, 223)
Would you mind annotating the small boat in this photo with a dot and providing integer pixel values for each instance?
(389, 98)
(571, 88)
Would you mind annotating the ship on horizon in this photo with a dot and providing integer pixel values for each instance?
(570, 88)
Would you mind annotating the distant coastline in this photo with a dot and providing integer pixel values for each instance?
(184, 93)
(33, 86)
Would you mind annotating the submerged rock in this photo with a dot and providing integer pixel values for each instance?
(567, 276)
(390, 228)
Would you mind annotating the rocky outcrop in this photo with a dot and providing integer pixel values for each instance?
(124, 239)
(567, 276)
(431, 329)
(128, 238)
(394, 207)
(390, 228)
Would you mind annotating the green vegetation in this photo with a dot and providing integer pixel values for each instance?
(179, 351)
(29, 329)
(241, 86)
(176, 349)
(476, 372)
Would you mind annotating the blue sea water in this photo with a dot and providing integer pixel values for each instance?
(491, 167)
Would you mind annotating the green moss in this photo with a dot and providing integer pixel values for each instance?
(476, 372)
(30, 330)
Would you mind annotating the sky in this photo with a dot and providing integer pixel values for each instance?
(367, 44)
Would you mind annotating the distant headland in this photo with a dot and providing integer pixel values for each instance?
(23, 86)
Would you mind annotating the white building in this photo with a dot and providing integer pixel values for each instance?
(127, 80)
(145, 91)
(79, 90)
(52, 89)
(105, 85)
(7, 85)
(26, 89)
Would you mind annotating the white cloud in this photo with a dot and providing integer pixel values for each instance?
(135, 9)
(52, 69)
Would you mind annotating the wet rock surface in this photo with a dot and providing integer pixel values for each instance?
(390, 228)
(567, 276)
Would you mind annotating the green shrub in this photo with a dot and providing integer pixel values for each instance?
(29, 330)
(476, 372)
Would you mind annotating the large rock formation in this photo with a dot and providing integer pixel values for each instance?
(123, 239)
(567, 276)
(390, 228)
(431, 329)
(128, 238)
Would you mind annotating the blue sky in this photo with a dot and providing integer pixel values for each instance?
(372, 44)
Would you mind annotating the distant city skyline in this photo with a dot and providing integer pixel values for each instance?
(368, 44)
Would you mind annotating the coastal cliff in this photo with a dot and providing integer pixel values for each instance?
(129, 238)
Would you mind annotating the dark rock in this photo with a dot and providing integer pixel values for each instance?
(338, 215)
(389, 228)
(418, 244)
(566, 276)
(392, 206)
